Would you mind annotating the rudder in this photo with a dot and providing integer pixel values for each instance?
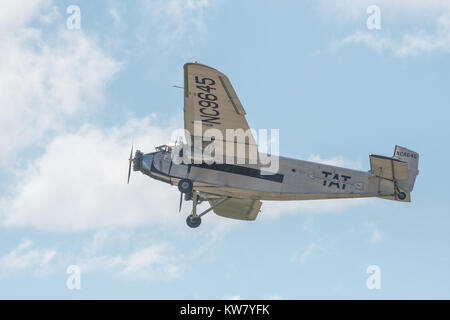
(412, 158)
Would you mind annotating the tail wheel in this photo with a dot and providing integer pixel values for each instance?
(401, 195)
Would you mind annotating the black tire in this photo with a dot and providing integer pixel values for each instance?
(193, 222)
(185, 186)
(401, 195)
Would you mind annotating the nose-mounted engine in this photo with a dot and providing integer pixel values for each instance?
(137, 161)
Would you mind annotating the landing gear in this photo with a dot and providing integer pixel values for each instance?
(193, 222)
(189, 196)
(401, 195)
(185, 186)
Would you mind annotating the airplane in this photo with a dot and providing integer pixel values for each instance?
(235, 189)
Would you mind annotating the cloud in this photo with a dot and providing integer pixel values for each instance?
(356, 9)
(310, 250)
(406, 25)
(15, 14)
(79, 183)
(177, 18)
(154, 262)
(47, 78)
(52, 82)
(26, 257)
(376, 236)
(410, 44)
(415, 44)
(157, 261)
(375, 42)
(337, 161)
(151, 261)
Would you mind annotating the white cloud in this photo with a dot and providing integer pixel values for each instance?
(406, 22)
(376, 236)
(374, 41)
(50, 78)
(79, 183)
(150, 262)
(410, 44)
(26, 257)
(356, 9)
(153, 262)
(115, 15)
(310, 250)
(177, 18)
(46, 79)
(15, 14)
(337, 161)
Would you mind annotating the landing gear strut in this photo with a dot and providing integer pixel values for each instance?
(400, 194)
(194, 220)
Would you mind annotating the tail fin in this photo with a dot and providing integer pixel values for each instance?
(396, 175)
(412, 158)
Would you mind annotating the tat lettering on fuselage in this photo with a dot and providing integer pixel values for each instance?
(335, 180)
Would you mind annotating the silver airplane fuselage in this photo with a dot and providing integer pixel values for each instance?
(295, 179)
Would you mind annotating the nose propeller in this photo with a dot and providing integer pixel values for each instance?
(130, 160)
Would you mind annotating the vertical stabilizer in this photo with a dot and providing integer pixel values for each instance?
(412, 158)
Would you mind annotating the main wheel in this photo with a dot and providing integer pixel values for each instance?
(193, 222)
(401, 195)
(185, 186)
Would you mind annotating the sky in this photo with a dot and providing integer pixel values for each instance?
(74, 97)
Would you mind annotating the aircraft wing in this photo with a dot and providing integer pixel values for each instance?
(210, 99)
(241, 209)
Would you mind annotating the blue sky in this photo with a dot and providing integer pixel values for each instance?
(72, 100)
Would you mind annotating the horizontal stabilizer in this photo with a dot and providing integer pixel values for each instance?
(388, 168)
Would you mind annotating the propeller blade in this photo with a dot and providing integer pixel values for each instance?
(181, 201)
(130, 160)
